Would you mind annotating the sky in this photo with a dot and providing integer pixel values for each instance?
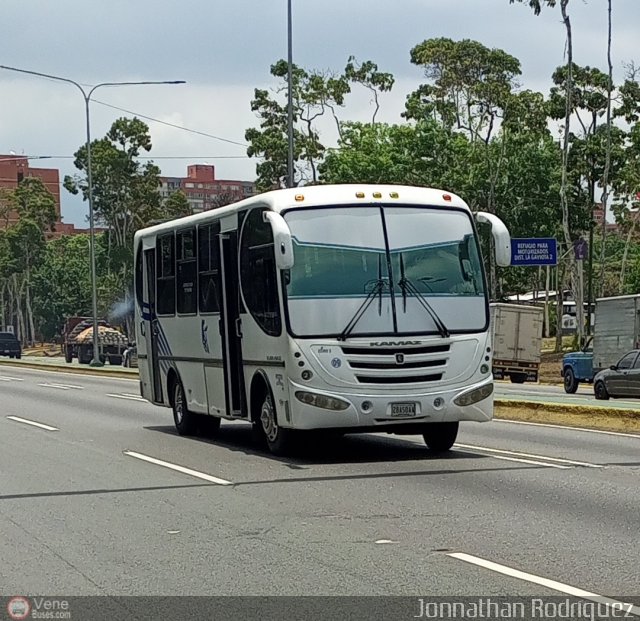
(223, 50)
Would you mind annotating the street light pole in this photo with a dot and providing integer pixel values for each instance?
(290, 180)
(96, 362)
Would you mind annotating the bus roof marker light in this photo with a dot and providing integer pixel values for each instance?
(447, 197)
(377, 195)
(299, 197)
(394, 195)
(359, 194)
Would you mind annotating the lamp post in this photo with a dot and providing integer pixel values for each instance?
(96, 362)
(290, 183)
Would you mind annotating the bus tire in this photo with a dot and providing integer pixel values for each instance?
(185, 421)
(279, 440)
(440, 437)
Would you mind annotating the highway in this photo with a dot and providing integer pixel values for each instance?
(100, 496)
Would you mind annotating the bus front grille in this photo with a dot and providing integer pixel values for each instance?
(397, 364)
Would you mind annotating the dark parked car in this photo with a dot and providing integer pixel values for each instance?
(10, 345)
(621, 379)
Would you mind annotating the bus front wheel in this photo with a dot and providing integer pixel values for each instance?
(278, 439)
(440, 437)
(185, 421)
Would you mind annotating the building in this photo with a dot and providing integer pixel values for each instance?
(203, 190)
(598, 217)
(15, 168)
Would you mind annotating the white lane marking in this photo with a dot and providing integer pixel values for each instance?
(62, 386)
(8, 378)
(568, 428)
(33, 423)
(125, 396)
(189, 471)
(518, 459)
(534, 456)
(545, 582)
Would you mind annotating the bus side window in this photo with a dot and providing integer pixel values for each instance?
(258, 273)
(166, 275)
(187, 290)
(138, 276)
(208, 268)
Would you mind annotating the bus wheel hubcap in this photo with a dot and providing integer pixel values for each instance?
(179, 405)
(268, 419)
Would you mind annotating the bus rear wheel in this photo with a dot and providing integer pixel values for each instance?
(185, 421)
(440, 437)
(279, 439)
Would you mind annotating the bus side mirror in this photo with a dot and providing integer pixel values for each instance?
(501, 237)
(283, 245)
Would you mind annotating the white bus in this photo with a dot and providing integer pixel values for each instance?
(352, 308)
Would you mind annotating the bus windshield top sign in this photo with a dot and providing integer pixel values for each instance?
(536, 251)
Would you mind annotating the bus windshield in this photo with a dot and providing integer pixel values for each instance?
(412, 258)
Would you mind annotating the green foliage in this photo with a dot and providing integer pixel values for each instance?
(315, 94)
(177, 206)
(62, 283)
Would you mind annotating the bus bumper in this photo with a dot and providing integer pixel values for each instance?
(389, 410)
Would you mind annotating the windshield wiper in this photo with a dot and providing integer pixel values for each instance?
(406, 285)
(377, 290)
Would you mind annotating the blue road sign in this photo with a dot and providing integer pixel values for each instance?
(536, 251)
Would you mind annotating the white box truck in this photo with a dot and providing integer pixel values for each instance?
(516, 332)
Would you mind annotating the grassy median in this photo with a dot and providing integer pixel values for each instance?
(590, 417)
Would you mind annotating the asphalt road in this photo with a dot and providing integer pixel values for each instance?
(91, 504)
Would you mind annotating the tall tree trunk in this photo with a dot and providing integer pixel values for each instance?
(607, 166)
(19, 315)
(576, 280)
(625, 253)
(559, 304)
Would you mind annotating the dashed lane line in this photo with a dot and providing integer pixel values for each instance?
(554, 585)
(127, 396)
(559, 460)
(165, 464)
(61, 386)
(33, 423)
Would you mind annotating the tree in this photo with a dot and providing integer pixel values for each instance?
(176, 205)
(470, 87)
(21, 249)
(62, 282)
(576, 271)
(125, 194)
(314, 94)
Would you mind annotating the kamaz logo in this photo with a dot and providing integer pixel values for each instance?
(393, 343)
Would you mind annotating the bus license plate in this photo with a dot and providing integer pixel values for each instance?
(403, 410)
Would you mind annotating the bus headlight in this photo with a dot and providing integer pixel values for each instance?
(322, 401)
(475, 395)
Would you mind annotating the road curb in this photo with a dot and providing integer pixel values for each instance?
(71, 369)
(569, 415)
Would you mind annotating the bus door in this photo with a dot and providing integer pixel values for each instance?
(150, 323)
(230, 325)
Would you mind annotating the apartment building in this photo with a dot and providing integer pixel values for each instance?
(15, 168)
(203, 190)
